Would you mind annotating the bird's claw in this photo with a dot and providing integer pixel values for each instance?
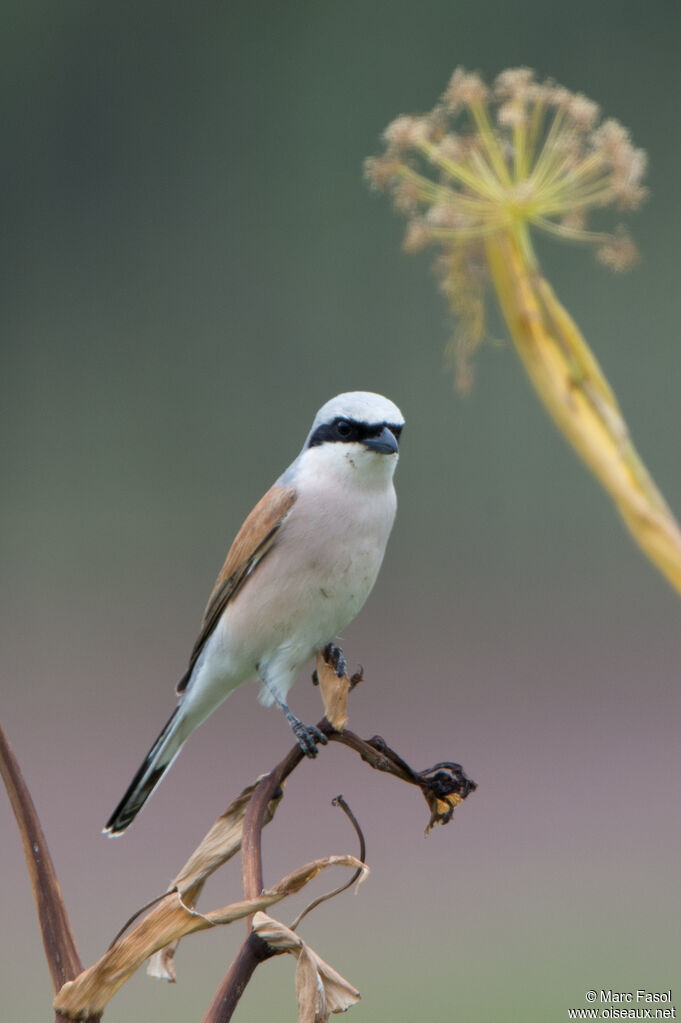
(308, 736)
(333, 655)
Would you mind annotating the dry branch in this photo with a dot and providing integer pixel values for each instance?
(83, 994)
(58, 941)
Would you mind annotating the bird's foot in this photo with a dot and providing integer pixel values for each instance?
(333, 655)
(307, 736)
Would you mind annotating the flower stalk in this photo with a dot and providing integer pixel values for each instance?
(573, 390)
(530, 156)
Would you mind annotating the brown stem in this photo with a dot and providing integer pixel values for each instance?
(58, 941)
(252, 952)
(251, 851)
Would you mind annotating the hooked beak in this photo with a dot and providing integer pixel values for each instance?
(385, 443)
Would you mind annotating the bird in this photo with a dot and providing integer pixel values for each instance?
(299, 570)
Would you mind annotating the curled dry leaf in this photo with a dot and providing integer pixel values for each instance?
(320, 990)
(167, 922)
(334, 689)
(221, 842)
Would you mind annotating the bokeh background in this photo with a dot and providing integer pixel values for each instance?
(192, 264)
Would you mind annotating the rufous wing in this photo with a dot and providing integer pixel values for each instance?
(254, 540)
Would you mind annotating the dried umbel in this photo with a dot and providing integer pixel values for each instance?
(525, 155)
(522, 155)
(475, 177)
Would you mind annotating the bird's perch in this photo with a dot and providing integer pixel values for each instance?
(83, 994)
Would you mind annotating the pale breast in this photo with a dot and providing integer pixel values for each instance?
(317, 576)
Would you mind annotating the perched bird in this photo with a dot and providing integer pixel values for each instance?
(300, 568)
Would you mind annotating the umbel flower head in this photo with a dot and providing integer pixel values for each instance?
(526, 154)
(476, 176)
(518, 156)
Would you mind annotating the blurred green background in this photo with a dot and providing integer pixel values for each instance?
(192, 265)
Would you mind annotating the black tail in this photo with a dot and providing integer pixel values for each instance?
(157, 762)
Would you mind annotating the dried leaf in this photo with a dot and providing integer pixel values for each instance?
(221, 842)
(334, 689)
(167, 922)
(320, 990)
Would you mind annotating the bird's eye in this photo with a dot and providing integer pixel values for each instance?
(343, 428)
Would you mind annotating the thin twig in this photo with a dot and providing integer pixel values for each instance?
(337, 801)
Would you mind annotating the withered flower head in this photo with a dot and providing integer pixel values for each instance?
(523, 154)
(500, 161)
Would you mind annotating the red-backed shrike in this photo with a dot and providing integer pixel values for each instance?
(299, 570)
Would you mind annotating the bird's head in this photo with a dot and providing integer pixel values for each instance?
(357, 430)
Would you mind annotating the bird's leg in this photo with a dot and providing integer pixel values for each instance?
(333, 655)
(307, 736)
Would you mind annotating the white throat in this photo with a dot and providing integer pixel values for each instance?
(350, 466)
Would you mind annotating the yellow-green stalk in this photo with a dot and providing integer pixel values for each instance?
(530, 155)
